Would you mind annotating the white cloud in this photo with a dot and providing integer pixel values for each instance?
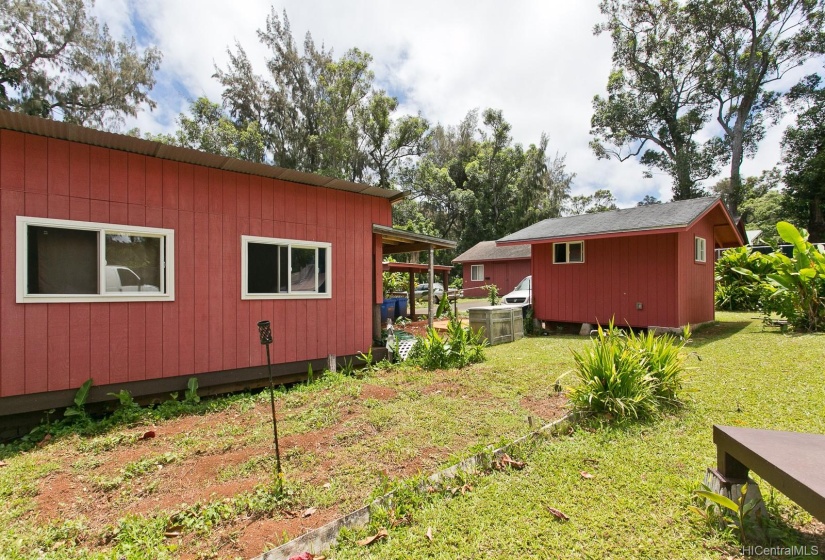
(536, 61)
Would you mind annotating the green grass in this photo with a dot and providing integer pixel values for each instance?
(636, 504)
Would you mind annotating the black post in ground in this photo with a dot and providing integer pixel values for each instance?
(265, 332)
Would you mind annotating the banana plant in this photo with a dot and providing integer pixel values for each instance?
(800, 281)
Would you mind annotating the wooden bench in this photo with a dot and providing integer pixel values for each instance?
(792, 462)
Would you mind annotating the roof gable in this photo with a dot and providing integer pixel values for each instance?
(642, 219)
(489, 251)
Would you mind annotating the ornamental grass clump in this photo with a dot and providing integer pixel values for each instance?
(629, 376)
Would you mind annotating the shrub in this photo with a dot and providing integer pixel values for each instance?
(799, 282)
(741, 280)
(461, 347)
(628, 375)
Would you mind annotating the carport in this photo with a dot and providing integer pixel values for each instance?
(392, 241)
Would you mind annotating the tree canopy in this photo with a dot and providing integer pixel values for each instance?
(677, 65)
(56, 61)
(803, 153)
(319, 113)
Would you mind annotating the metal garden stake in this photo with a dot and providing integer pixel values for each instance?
(265, 331)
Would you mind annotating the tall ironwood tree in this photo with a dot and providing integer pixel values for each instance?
(58, 62)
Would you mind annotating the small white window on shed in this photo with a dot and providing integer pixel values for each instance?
(477, 273)
(699, 249)
(568, 252)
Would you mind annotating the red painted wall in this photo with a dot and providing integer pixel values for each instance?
(696, 281)
(504, 274)
(208, 327)
(617, 273)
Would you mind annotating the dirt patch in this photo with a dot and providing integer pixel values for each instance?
(546, 408)
(202, 459)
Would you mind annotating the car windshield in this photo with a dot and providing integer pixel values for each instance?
(524, 284)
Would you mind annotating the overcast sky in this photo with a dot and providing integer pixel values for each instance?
(538, 62)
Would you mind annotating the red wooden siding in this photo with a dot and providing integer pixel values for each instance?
(504, 274)
(696, 279)
(617, 273)
(208, 327)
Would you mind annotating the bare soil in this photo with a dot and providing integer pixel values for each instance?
(201, 459)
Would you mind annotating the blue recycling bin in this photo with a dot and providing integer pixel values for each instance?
(387, 310)
(401, 307)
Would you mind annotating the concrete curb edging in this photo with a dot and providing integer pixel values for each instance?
(322, 538)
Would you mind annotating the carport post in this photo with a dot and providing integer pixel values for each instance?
(431, 271)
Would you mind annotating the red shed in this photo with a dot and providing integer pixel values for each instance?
(488, 263)
(139, 265)
(649, 266)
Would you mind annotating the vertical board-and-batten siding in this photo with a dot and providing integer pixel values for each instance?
(617, 273)
(54, 346)
(696, 304)
(504, 274)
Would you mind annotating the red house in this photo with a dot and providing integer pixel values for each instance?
(139, 265)
(649, 266)
(488, 263)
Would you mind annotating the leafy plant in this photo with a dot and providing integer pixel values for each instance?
(741, 280)
(625, 375)
(128, 411)
(733, 514)
(492, 293)
(191, 395)
(78, 410)
(459, 348)
(799, 281)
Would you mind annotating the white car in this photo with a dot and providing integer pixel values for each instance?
(523, 293)
(124, 279)
(422, 290)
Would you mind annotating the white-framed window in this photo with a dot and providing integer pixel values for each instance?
(285, 268)
(699, 249)
(61, 261)
(477, 272)
(571, 252)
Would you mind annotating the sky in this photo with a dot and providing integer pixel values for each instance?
(537, 61)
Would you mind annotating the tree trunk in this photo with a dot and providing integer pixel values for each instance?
(816, 222)
(737, 152)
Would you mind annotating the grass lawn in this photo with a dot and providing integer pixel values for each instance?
(202, 486)
(635, 506)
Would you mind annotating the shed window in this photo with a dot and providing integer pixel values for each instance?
(477, 273)
(284, 268)
(71, 261)
(699, 249)
(572, 252)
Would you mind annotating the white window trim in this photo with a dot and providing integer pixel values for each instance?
(699, 249)
(567, 252)
(476, 277)
(167, 257)
(292, 243)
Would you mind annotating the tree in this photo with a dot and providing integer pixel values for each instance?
(655, 104)
(319, 113)
(648, 200)
(803, 153)
(209, 129)
(474, 184)
(600, 201)
(751, 44)
(58, 62)
(763, 205)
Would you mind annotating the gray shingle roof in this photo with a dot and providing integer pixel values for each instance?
(640, 218)
(488, 251)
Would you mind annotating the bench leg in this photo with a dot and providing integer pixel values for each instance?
(730, 468)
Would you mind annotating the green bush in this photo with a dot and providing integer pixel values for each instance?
(461, 347)
(799, 282)
(629, 375)
(741, 280)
